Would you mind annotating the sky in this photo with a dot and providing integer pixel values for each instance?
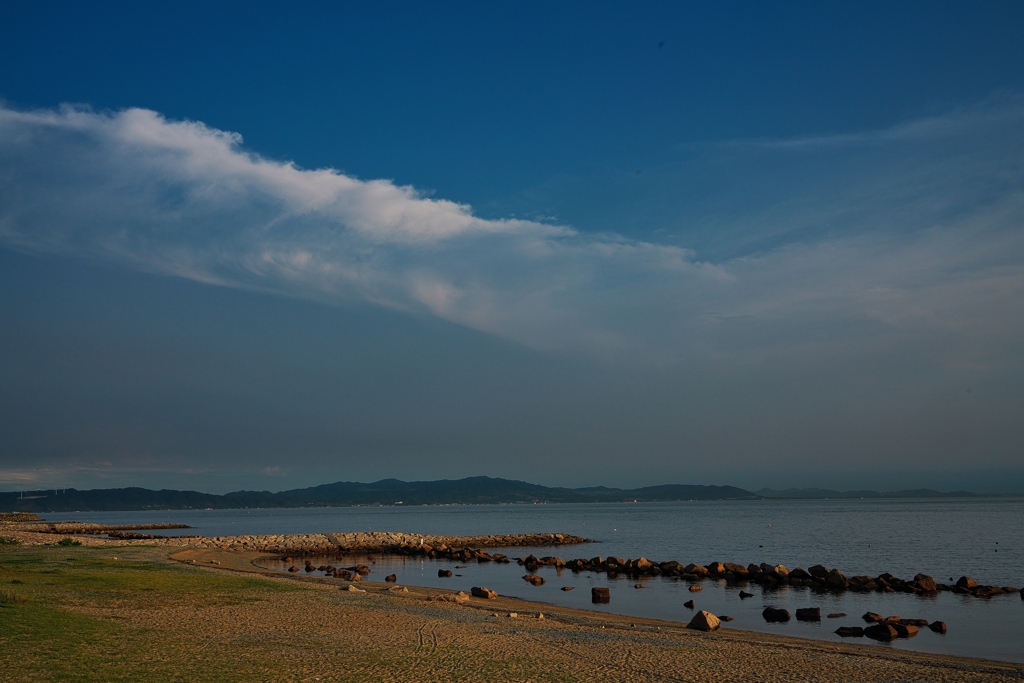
(244, 246)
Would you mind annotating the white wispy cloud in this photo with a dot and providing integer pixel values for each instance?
(932, 248)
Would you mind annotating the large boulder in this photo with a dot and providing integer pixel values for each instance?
(600, 594)
(697, 569)
(738, 569)
(966, 582)
(905, 630)
(818, 571)
(481, 592)
(534, 580)
(836, 580)
(444, 573)
(872, 617)
(883, 631)
(938, 626)
(808, 614)
(704, 621)
(925, 583)
(776, 615)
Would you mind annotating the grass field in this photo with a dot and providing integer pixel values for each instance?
(78, 614)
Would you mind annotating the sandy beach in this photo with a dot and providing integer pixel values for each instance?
(214, 614)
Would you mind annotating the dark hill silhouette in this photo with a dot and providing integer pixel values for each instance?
(471, 490)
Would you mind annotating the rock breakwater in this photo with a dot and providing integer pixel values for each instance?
(817, 577)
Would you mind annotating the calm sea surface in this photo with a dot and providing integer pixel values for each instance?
(945, 538)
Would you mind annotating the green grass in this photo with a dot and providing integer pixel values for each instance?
(43, 637)
(69, 541)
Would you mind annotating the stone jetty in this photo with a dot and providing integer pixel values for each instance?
(817, 577)
(38, 532)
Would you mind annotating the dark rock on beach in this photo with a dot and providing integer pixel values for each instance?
(704, 621)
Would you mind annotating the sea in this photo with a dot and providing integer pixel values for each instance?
(946, 538)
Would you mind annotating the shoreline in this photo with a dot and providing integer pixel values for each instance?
(248, 563)
(305, 628)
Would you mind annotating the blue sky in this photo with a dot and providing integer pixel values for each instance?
(762, 245)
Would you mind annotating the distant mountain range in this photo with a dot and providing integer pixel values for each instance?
(473, 490)
(469, 491)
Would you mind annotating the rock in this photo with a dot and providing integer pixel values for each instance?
(391, 578)
(808, 614)
(444, 573)
(600, 594)
(643, 564)
(724, 618)
(353, 589)
(850, 632)
(533, 579)
(638, 585)
(776, 614)
(966, 582)
(872, 617)
(688, 604)
(881, 631)
(836, 580)
(704, 621)
(698, 570)
(836, 615)
(459, 598)
(925, 583)
(694, 588)
(744, 595)
(540, 615)
(513, 615)
(398, 589)
(716, 568)
(481, 592)
(781, 572)
(818, 571)
(293, 568)
(938, 626)
(905, 630)
(568, 588)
